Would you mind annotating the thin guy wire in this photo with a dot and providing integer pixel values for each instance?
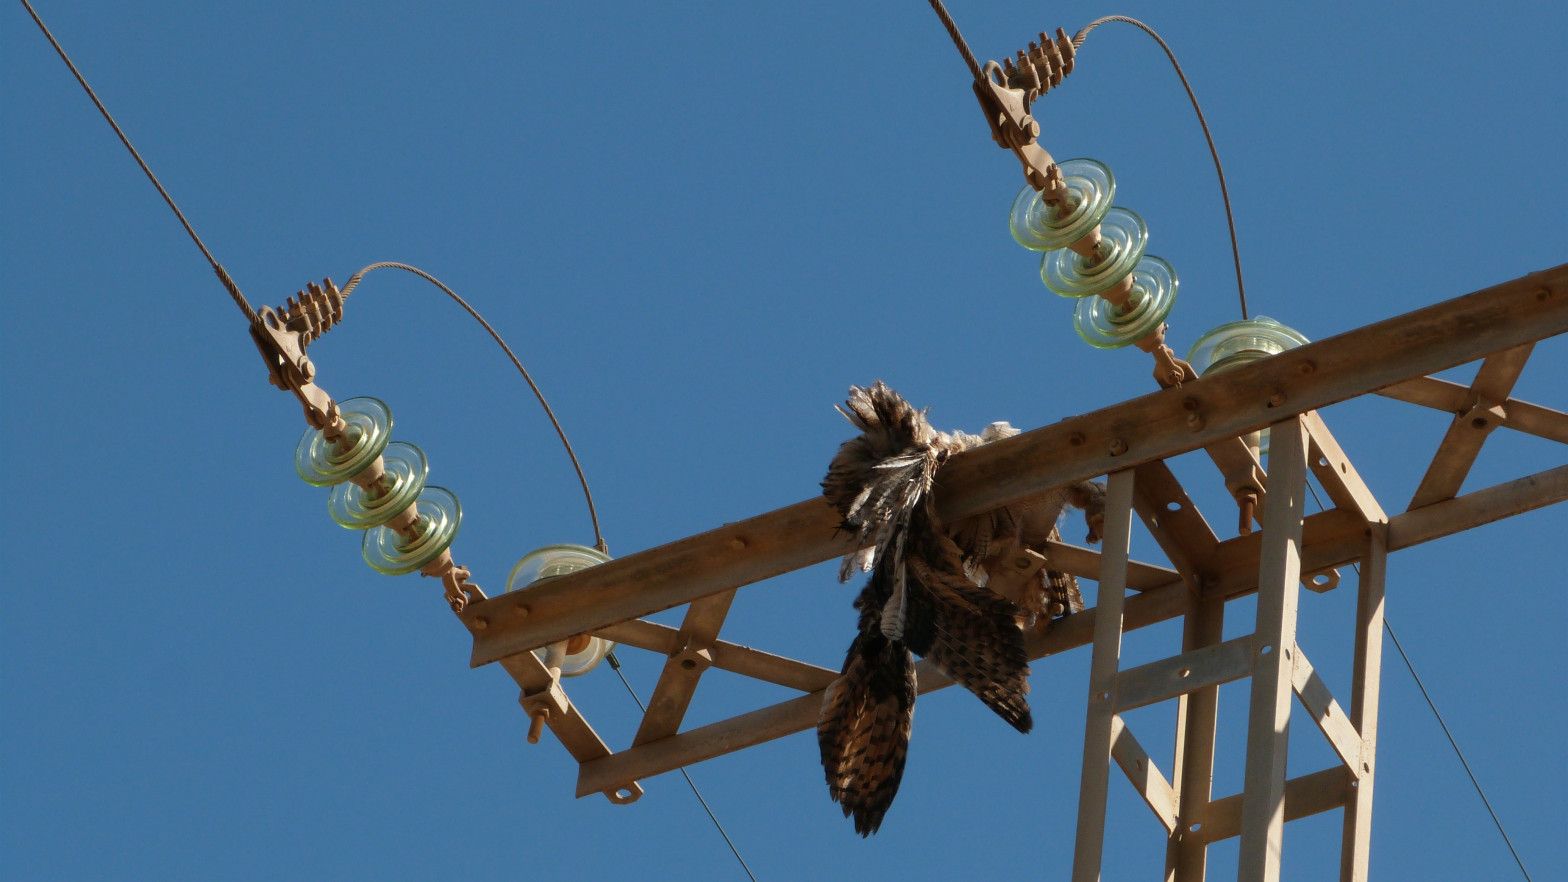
(958, 40)
(615, 665)
(223, 274)
(593, 511)
(1230, 220)
(1440, 722)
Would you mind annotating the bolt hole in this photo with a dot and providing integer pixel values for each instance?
(624, 793)
(688, 664)
(1173, 505)
(1321, 579)
(1266, 649)
(1105, 696)
(1193, 828)
(1322, 462)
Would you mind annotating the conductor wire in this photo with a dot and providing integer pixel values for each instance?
(1431, 705)
(223, 274)
(593, 511)
(958, 40)
(615, 663)
(1219, 170)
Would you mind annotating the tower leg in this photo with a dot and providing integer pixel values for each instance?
(1274, 642)
(1102, 678)
(1186, 855)
(1357, 841)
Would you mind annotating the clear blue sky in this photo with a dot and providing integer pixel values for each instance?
(698, 224)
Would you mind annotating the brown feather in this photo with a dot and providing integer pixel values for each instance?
(925, 595)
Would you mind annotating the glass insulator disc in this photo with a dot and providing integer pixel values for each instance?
(356, 508)
(1123, 236)
(323, 463)
(558, 560)
(389, 553)
(1103, 326)
(1039, 227)
(1234, 344)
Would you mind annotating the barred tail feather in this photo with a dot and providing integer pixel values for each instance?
(864, 727)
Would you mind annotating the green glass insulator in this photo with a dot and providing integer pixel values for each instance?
(323, 463)
(1235, 345)
(1123, 237)
(390, 553)
(358, 508)
(1102, 325)
(550, 562)
(1039, 227)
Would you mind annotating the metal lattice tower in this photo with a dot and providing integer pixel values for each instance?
(1130, 442)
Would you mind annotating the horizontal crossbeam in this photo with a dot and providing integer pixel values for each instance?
(1153, 427)
(1521, 416)
(1180, 674)
(1305, 796)
(1331, 538)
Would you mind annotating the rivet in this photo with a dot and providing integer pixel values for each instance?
(1194, 421)
(520, 611)
(480, 623)
(1276, 399)
(737, 543)
(1118, 447)
(1075, 439)
(1189, 404)
(1307, 367)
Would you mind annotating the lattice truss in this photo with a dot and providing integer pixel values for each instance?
(1129, 442)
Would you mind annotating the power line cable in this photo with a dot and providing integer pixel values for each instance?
(1452, 742)
(223, 274)
(615, 664)
(1219, 170)
(593, 512)
(250, 313)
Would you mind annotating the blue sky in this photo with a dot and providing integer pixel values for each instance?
(697, 224)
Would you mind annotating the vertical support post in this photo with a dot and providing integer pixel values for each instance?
(1357, 837)
(1106, 661)
(1274, 638)
(1186, 854)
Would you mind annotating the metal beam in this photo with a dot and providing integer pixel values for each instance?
(1469, 430)
(1274, 638)
(1153, 427)
(1480, 507)
(1145, 776)
(1180, 674)
(685, 666)
(1099, 735)
(1326, 712)
(1356, 833)
(1331, 539)
(1304, 796)
(733, 657)
(1186, 854)
(1521, 416)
